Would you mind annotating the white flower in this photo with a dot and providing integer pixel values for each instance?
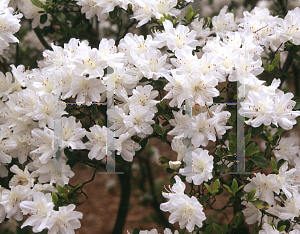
(39, 210)
(10, 24)
(86, 89)
(291, 27)
(65, 220)
(268, 229)
(21, 177)
(259, 107)
(139, 121)
(251, 213)
(187, 211)
(153, 64)
(32, 12)
(11, 200)
(6, 84)
(199, 166)
(181, 38)
(287, 149)
(98, 141)
(126, 147)
(144, 96)
(180, 122)
(224, 22)
(47, 172)
(284, 115)
(265, 186)
(291, 208)
(202, 129)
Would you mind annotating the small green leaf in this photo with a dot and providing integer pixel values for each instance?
(261, 204)
(216, 185)
(164, 161)
(234, 186)
(100, 123)
(158, 129)
(203, 199)
(189, 16)
(247, 138)
(222, 168)
(217, 228)
(281, 228)
(228, 188)
(60, 16)
(232, 147)
(76, 187)
(260, 161)
(297, 106)
(94, 110)
(208, 229)
(232, 137)
(225, 228)
(37, 3)
(54, 198)
(276, 60)
(43, 18)
(80, 116)
(280, 163)
(274, 165)
(208, 188)
(250, 195)
(136, 231)
(237, 220)
(60, 189)
(169, 170)
(256, 131)
(113, 14)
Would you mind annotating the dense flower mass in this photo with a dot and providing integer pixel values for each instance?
(42, 137)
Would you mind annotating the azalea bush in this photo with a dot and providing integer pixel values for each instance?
(211, 88)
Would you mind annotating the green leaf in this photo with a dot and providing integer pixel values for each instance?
(256, 131)
(228, 188)
(274, 165)
(113, 14)
(297, 106)
(190, 16)
(261, 204)
(217, 228)
(295, 55)
(143, 144)
(60, 189)
(270, 68)
(80, 116)
(281, 228)
(164, 103)
(222, 168)
(237, 220)
(208, 188)
(169, 170)
(234, 185)
(255, 229)
(232, 137)
(60, 16)
(164, 161)
(158, 129)
(251, 149)
(94, 110)
(225, 228)
(247, 138)
(280, 163)
(203, 199)
(208, 229)
(43, 18)
(260, 161)
(76, 187)
(167, 116)
(37, 3)
(54, 198)
(136, 231)
(232, 147)
(216, 185)
(100, 123)
(250, 195)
